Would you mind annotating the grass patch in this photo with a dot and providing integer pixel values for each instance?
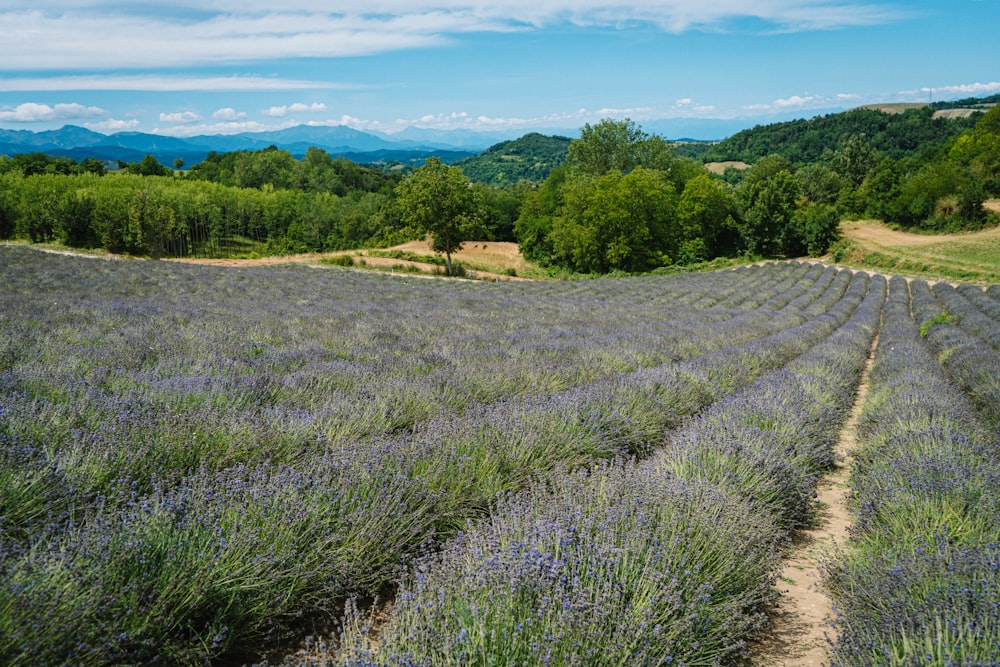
(940, 318)
(961, 257)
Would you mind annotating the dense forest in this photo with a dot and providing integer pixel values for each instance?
(530, 158)
(614, 199)
(915, 132)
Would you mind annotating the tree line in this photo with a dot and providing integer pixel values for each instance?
(912, 133)
(624, 200)
(239, 204)
(911, 169)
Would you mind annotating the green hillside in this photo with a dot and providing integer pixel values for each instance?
(532, 158)
(912, 132)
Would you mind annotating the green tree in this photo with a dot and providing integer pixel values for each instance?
(618, 145)
(437, 199)
(706, 212)
(878, 195)
(768, 205)
(618, 222)
(854, 158)
(76, 226)
(40, 207)
(317, 173)
(538, 210)
(149, 166)
(270, 166)
(813, 229)
(971, 196)
(979, 149)
(497, 208)
(767, 168)
(10, 196)
(819, 183)
(920, 193)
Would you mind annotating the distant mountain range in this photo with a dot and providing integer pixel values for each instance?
(410, 146)
(78, 143)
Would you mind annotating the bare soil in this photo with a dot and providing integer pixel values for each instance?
(803, 630)
(869, 231)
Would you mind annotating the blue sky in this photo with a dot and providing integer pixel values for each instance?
(183, 69)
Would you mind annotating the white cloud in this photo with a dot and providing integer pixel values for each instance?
(635, 113)
(228, 114)
(794, 104)
(31, 112)
(112, 125)
(159, 83)
(686, 107)
(84, 34)
(234, 127)
(298, 107)
(969, 89)
(35, 40)
(795, 101)
(180, 117)
(312, 108)
(461, 120)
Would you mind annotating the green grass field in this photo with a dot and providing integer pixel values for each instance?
(972, 257)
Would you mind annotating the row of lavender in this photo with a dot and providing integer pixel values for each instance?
(965, 341)
(192, 379)
(195, 460)
(920, 584)
(346, 367)
(668, 560)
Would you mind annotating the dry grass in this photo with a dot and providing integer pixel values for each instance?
(894, 107)
(490, 260)
(720, 167)
(971, 256)
(499, 256)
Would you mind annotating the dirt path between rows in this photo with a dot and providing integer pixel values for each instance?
(802, 621)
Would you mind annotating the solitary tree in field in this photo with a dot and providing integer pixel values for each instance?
(437, 199)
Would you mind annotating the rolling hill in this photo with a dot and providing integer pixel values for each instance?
(532, 158)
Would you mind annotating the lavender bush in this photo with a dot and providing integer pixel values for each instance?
(200, 460)
(197, 464)
(981, 300)
(970, 318)
(917, 586)
(766, 442)
(617, 567)
(967, 360)
(587, 569)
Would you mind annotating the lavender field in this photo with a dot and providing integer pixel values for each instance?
(205, 465)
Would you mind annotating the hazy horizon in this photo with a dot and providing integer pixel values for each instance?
(502, 68)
